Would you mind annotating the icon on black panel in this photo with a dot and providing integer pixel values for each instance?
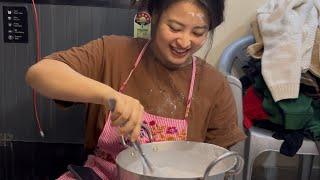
(10, 37)
(9, 12)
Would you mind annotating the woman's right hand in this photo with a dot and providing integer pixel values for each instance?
(127, 114)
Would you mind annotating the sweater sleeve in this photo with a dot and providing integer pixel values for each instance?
(288, 32)
(87, 60)
(223, 128)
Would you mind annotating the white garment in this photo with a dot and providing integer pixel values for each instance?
(288, 29)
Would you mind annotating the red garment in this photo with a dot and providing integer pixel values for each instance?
(252, 108)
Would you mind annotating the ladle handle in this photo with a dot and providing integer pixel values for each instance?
(235, 170)
(112, 106)
(145, 128)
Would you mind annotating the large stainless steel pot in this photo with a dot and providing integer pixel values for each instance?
(179, 160)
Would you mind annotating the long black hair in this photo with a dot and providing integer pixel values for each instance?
(214, 9)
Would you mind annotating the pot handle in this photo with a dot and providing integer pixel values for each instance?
(236, 169)
(145, 128)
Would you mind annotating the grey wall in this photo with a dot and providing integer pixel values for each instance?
(62, 26)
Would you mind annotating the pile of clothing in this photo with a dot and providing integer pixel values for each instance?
(282, 80)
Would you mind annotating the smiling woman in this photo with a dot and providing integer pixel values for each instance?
(206, 14)
(157, 82)
(180, 33)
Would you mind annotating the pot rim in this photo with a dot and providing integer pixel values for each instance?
(174, 142)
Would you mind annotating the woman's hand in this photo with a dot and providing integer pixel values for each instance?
(127, 113)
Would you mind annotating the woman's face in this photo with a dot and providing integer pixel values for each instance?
(182, 30)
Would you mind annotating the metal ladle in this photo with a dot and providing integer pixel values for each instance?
(136, 145)
(145, 161)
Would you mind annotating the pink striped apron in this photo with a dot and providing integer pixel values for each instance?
(109, 144)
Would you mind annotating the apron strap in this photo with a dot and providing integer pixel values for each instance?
(124, 84)
(193, 77)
